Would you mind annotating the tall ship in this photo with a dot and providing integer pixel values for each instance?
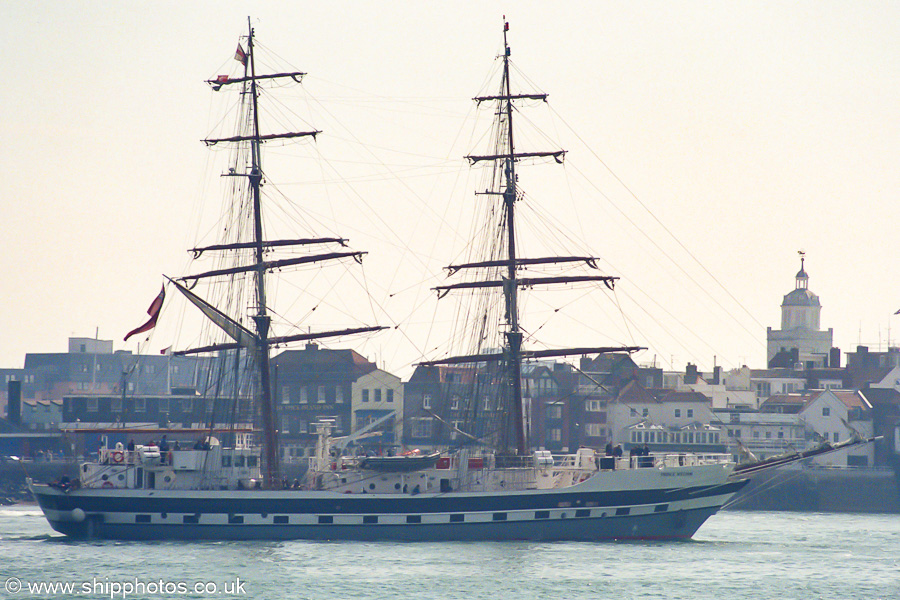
(229, 485)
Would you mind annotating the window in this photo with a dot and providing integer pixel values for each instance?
(115, 405)
(93, 404)
(645, 412)
(826, 411)
(390, 395)
(487, 404)
(594, 429)
(320, 394)
(163, 405)
(454, 403)
(421, 428)
(554, 411)
(780, 435)
(690, 413)
(377, 394)
(426, 402)
(339, 395)
(140, 405)
(768, 435)
(633, 412)
(677, 413)
(285, 394)
(303, 398)
(365, 395)
(763, 389)
(836, 437)
(593, 406)
(755, 435)
(554, 434)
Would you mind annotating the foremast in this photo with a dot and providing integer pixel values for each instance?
(260, 341)
(505, 158)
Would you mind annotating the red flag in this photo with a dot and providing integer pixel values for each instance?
(222, 79)
(240, 55)
(153, 311)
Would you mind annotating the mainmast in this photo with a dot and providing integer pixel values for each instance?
(513, 346)
(512, 355)
(271, 464)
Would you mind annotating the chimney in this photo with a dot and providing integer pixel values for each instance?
(14, 402)
(690, 374)
(834, 358)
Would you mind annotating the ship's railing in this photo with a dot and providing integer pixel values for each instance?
(661, 459)
(677, 459)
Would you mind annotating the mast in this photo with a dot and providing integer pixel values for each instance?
(510, 291)
(271, 464)
(512, 355)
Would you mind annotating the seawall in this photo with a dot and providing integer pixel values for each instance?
(822, 490)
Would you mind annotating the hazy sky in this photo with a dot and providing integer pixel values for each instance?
(742, 132)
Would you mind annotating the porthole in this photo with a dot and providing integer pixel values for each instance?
(121, 477)
(105, 477)
(371, 486)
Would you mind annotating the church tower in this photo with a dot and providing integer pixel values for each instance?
(800, 339)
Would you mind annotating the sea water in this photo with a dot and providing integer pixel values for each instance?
(735, 554)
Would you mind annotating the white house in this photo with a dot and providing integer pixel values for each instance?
(832, 414)
(376, 395)
(664, 420)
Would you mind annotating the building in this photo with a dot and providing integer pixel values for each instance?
(376, 395)
(92, 367)
(830, 416)
(310, 385)
(800, 328)
(557, 410)
(665, 420)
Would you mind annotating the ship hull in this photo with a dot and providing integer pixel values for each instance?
(583, 512)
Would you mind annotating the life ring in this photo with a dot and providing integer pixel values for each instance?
(108, 484)
(117, 457)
